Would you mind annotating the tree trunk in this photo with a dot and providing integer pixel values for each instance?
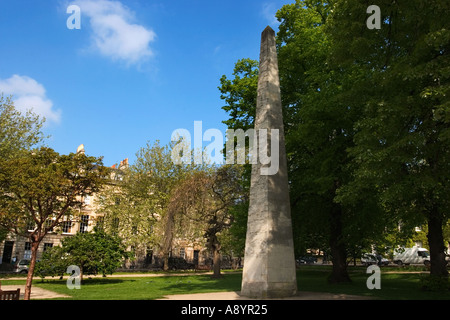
(216, 261)
(166, 261)
(34, 249)
(81, 273)
(168, 237)
(338, 253)
(436, 242)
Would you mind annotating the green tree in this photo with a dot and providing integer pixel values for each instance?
(17, 131)
(318, 130)
(233, 238)
(206, 198)
(319, 117)
(153, 178)
(240, 94)
(402, 142)
(53, 263)
(39, 188)
(129, 213)
(94, 252)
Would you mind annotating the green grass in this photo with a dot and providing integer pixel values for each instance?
(139, 288)
(395, 285)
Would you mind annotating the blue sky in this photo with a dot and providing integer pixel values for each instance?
(136, 70)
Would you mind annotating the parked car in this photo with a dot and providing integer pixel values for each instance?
(414, 255)
(180, 264)
(21, 266)
(306, 260)
(368, 259)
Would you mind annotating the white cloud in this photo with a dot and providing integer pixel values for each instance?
(28, 94)
(268, 12)
(114, 33)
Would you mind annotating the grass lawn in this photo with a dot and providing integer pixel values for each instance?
(395, 285)
(138, 288)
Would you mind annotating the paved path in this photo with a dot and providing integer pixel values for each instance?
(36, 292)
(39, 293)
(302, 295)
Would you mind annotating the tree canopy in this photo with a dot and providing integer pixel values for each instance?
(39, 189)
(366, 115)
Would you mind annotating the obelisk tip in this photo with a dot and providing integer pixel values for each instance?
(268, 29)
(268, 32)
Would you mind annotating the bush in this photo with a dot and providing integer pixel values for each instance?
(52, 263)
(93, 252)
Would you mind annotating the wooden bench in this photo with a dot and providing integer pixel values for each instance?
(10, 294)
(202, 267)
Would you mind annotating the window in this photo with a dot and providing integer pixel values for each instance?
(84, 224)
(67, 227)
(423, 254)
(182, 253)
(87, 199)
(31, 225)
(48, 224)
(47, 246)
(27, 251)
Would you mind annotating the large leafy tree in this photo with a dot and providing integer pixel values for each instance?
(130, 213)
(240, 94)
(39, 188)
(402, 142)
(318, 126)
(319, 130)
(18, 132)
(137, 206)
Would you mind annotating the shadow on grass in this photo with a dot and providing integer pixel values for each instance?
(202, 284)
(90, 282)
(395, 284)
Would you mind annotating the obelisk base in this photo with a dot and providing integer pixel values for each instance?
(263, 290)
(269, 267)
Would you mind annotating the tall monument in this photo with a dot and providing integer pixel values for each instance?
(269, 265)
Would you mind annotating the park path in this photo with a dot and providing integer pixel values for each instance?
(301, 295)
(36, 292)
(39, 293)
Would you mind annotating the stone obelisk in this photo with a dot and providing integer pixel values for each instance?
(269, 264)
